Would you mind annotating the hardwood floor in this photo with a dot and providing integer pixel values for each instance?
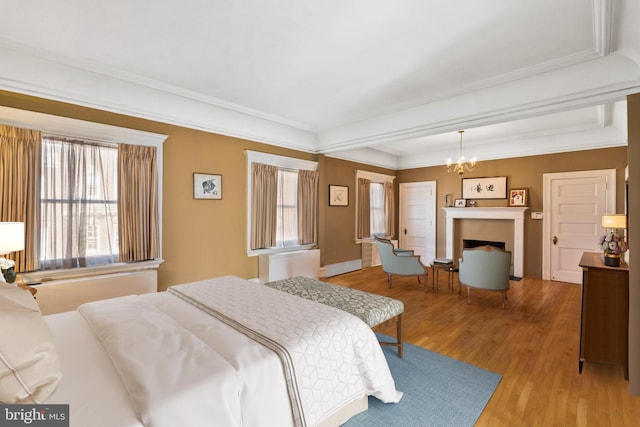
(533, 343)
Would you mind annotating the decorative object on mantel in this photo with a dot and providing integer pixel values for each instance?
(461, 166)
(472, 203)
(613, 244)
(460, 203)
(447, 200)
(484, 188)
(518, 197)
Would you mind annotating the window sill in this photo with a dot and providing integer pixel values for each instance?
(371, 239)
(278, 250)
(36, 277)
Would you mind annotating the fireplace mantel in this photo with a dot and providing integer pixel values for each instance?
(514, 214)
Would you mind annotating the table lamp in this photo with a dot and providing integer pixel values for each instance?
(614, 221)
(11, 238)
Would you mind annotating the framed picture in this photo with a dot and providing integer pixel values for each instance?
(338, 195)
(206, 186)
(484, 188)
(460, 203)
(518, 197)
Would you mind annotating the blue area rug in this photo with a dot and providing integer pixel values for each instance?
(438, 391)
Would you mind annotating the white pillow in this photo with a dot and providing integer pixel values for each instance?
(29, 364)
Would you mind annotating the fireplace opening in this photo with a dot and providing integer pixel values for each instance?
(469, 243)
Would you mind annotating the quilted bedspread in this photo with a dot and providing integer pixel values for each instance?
(330, 357)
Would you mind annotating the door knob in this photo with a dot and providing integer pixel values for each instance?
(405, 231)
(555, 240)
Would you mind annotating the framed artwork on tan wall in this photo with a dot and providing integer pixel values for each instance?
(518, 197)
(484, 188)
(207, 186)
(338, 195)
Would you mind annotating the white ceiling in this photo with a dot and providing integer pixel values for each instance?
(377, 81)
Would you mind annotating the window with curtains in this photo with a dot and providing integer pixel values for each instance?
(85, 201)
(78, 203)
(375, 205)
(282, 203)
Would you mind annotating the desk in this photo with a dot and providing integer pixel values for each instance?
(448, 267)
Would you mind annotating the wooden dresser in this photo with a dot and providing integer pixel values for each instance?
(604, 313)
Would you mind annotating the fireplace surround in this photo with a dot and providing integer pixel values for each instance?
(514, 214)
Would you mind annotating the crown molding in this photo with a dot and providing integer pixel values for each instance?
(45, 76)
(599, 81)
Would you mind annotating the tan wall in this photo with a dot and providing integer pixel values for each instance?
(206, 238)
(201, 238)
(337, 223)
(523, 172)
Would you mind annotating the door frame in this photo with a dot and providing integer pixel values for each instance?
(403, 185)
(610, 198)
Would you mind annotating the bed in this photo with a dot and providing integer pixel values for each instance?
(225, 350)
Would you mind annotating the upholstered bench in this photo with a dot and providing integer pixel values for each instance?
(371, 308)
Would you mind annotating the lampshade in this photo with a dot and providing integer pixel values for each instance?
(614, 221)
(11, 237)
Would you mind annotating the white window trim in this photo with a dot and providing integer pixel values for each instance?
(373, 177)
(73, 128)
(281, 162)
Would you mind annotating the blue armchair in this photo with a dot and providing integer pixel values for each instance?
(400, 262)
(485, 267)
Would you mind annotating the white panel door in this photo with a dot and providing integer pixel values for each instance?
(418, 219)
(577, 202)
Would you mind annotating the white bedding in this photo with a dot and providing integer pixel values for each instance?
(248, 387)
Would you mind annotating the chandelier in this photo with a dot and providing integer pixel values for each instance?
(461, 166)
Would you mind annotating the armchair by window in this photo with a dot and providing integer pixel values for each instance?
(400, 262)
(485, 267)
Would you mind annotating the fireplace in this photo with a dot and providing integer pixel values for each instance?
(470, 243)
(516, 215)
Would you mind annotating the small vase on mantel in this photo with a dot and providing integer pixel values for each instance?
(612, 260)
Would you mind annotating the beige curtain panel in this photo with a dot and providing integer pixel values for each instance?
(308, 206)
(138, 203)
(363, 226)
(20, 189)
(264, 196)
(389, 212)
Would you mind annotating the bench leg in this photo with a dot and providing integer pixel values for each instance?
(398, 343)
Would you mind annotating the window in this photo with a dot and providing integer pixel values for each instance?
(287, 209)
(79, 203)
(97, 223)
(376, 194)
(374, 205)
(286, 205)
